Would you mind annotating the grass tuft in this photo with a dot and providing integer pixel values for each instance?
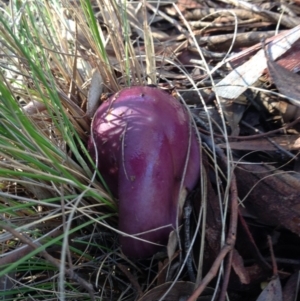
(57, 221)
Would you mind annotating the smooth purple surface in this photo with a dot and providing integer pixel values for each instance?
(142, 136)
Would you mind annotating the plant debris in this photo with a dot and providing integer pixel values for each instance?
(233, 64)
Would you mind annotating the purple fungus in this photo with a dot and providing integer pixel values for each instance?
(143, 135)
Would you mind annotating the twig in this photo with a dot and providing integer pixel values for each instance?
(274, 264)
(228, 247)
(211, 274)
(187, 239)
(15, 255)
(226, 276)
(272, 16)
(231, 236)
(132, 279)
(251, 137)
(289, 154)
(34, 245)
(257, 254)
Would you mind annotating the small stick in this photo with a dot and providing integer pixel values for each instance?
(231, 236)
(132, 279)
(274, 264)
(187, 239)
(228, 247)
(251, 137)
(211, 274)
(289, 154)
(264, 264)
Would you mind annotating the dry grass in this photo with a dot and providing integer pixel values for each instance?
(53, 55)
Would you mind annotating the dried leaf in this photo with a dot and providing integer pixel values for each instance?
(290, 288)
(94, 94)
(181, 201)
(272, 291)
(287, 111)
(273, 196)
(233, 113)
(172, 244)
(187, 5)
(286, 81)
(291, 59)
(288, 142)
(34, 107)
(238, 266)
(236, 82)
